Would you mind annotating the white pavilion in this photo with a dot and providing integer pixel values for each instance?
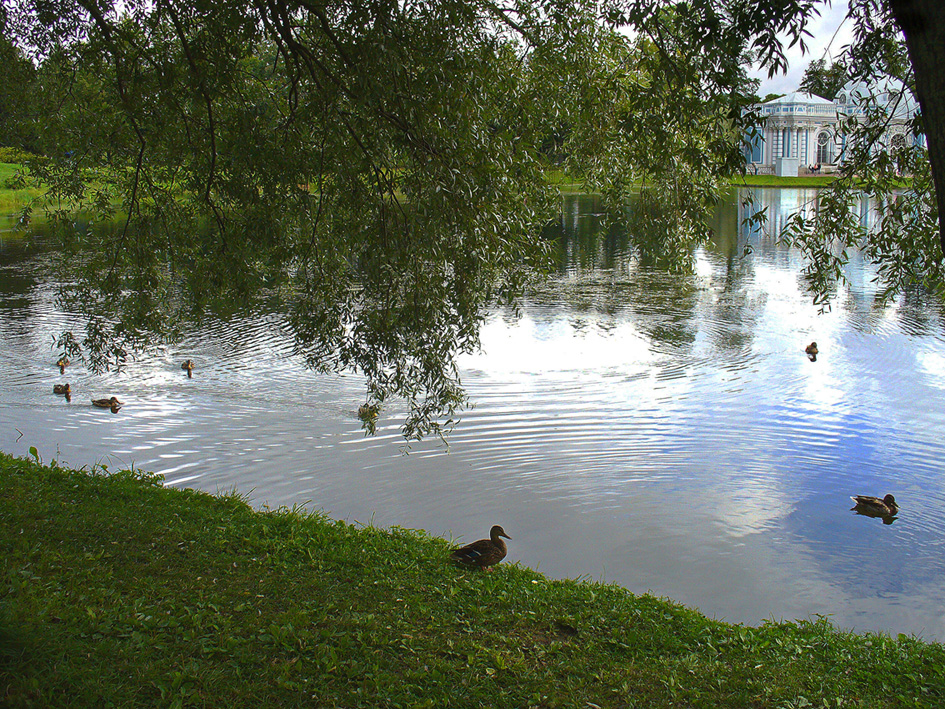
(800, 130)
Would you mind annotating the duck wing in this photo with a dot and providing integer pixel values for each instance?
(481, 553)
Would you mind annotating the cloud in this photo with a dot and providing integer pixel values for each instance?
(830, 33)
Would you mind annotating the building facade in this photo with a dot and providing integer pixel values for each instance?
(800, 133)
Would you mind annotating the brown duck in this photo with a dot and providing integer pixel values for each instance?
(485, 552)
(188, 366)
(111, 403)
(62, 364)
(874, 506)
(62, 389)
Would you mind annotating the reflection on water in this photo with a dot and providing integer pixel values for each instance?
(667, 433)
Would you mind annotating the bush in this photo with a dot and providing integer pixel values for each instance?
(15, 155)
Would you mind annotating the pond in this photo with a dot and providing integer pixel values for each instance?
(666, 433)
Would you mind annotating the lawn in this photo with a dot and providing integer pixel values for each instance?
(118, 591)
(13, 199)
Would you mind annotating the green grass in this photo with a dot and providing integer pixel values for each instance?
(13, 200)
(564, 181)
(775, 181)
(116, 591)
(806, 181)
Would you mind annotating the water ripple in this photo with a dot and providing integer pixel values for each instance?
(665, 434)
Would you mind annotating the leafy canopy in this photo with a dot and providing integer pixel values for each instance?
(374, 168)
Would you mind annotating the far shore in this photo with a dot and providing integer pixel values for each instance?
(14, 199)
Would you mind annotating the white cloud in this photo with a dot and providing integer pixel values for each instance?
(830, 33)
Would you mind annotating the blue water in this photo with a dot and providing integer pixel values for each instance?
(663, 432)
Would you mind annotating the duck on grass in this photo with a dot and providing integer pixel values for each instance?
(122, 591)
(484, 553)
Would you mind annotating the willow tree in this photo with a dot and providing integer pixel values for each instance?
(375, 166)
(16, 111)
(905, 244)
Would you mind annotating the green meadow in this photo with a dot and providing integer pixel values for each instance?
(117, 591)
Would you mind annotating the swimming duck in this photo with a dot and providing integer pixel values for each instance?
(111, 403)
(812, 351)
(867, 504)
(62, 364)
(189, 366)
(485, 552)
(62, 388)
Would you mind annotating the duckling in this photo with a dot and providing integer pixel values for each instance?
(812, 351)
(485, 552)
(189, 366)
(62, 388)
(62, 364)
(111, 403)
(875, 507)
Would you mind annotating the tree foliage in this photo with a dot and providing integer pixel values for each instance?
(822, 80)
(905, 244)
(374, 167)
(16, 98)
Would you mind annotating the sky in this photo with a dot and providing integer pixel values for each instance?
(826, 39)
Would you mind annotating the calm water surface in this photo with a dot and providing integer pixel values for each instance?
(665, 433)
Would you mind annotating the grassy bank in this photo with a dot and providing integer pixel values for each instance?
(775, 181)
(13, 200)
(117, 591)
(569, 183)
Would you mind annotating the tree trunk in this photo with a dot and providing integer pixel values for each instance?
(923, 23)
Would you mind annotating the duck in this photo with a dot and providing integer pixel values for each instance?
(189, 366)
(812, 351)
(874, 506)
(485, 552)
(111, 403)
(62, 388)
(62, 363)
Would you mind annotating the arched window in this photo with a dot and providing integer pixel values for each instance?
(825, 148)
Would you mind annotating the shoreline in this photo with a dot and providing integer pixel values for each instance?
(119, 590)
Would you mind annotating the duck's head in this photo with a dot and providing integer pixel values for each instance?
(890, 501)
(497, 532)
